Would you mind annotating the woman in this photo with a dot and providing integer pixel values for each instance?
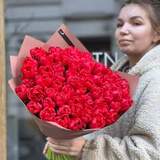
(136, 135)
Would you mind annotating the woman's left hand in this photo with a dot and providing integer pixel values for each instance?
(71, 147)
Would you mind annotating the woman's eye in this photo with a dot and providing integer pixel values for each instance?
(137, 23)
(119, 25)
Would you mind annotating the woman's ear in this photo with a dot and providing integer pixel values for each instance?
(156, 37)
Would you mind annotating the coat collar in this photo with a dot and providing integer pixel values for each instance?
(150, 60)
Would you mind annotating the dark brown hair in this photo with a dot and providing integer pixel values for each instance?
(152, 7)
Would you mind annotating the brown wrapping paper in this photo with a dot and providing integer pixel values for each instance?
(61, 38)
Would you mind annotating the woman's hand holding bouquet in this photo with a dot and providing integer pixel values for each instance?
(71, 147)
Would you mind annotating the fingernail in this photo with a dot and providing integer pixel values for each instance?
(45, 149)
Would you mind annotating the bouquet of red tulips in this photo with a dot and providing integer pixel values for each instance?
(66, 91)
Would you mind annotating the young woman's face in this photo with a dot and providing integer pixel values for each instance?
(134, 33)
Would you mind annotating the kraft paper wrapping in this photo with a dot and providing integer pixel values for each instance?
(61, 38)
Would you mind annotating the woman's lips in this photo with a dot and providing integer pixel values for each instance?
(124, 42)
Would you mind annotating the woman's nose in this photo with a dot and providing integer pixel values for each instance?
(124, 29)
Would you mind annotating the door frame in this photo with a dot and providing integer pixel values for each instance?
(3, 115)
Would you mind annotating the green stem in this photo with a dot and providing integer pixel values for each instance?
(50, 155)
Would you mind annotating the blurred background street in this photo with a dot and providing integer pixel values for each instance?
(92, 21)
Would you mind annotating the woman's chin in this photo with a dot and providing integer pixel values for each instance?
(126, 50)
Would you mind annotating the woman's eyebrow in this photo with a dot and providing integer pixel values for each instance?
(131, 18)
(136, 17)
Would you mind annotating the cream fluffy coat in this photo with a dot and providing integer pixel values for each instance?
(136, 135)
